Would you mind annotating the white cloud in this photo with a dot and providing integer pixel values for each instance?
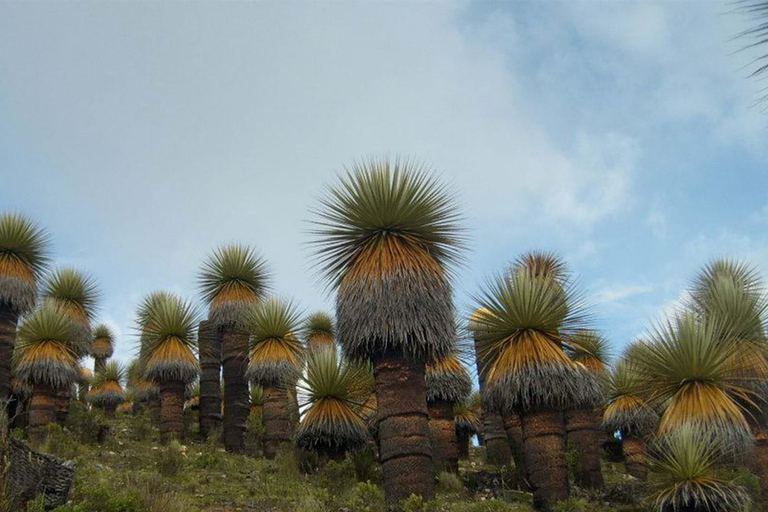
(616, 292)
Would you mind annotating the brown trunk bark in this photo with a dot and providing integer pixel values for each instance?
(62, 397)
(635, 456)
(99, 363)
(109, 411)
(462, 438)
(405, 453)
(758, 463)
(497, 449)
(234, 352)
(514, 430)
(584, 437)
(8, 321)
(42, 412)
(154, 411)
(171, 410)
(442, 433)
(293, 407)
(210, 378)
(277, 420)
(544, 451)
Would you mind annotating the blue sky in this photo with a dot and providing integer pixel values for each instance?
(619, 134)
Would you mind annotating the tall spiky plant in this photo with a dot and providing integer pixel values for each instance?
(102, 346)
(448, 383)
(209, 340)
(168, 358)
(84, 383)
(498, 443)
(691, 375)
(24, 258)
(386, 237)
(335, 391)
(276, 359)
(530, 319)
(107, 387)
(46, 359)
(468, 422)
(687, 462)
(144, 391)
(232, 280)
(583, 424)
(628, 413)
(319, 330)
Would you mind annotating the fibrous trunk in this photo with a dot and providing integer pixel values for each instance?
(497, 450)
(154, 411)
(634, 450)
(514, 430)
(404, 448)
(544, 452)
(171, 410)
(62, 397)
(42, 412)
(210, 377)
(442, 431)
(277, 420)
(462, 438)
(8, 320)
(584, 437)
(234, 352)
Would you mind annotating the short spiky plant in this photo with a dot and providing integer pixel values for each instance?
(529, 320)
(588, 349)
(168, 358)
(335, 391)
(276, 360)
(467, 418)
(232, 280)
(319, 330)
(23, 260)
(257, 399)
(84, 383)
(102, 346)
(192, 395)
(107, 387)
(387, 236)
(687, 462)
(77, 294)
(46, 359)
(448, 383)
(691, 376)
(143, 390)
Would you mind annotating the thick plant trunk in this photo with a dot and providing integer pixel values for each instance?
(442, 433)
(277, 420)
(234, 352)
(635, 456)
(497, 449)
(405, 453)
(171, 410)
(584, 437)
(514, 430)
(8, 321)
(758, 462)
(462, 438)
(544, 451)
(109, 410)
(42, 412)
(99, 363)
(293, 407)
(210, 378)
(154, 411)
(62, 398)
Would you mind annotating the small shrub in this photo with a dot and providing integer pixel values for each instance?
(214, 436)
(366, 497)
(309, 460)
(89, 425)
(366, 464)
(337, 476)
(417, 504)
(37, 504)
(254, 435)
(449, 483)
(141, 427)
(61, 443)
(170, 460)
(573, 504)
(156, 496)
(492, 505)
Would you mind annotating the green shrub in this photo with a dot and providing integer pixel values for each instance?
(141, 427)
(492, 505)
(337, 476)
(60, 442)
(170, 460)
(417, 504)
(449, 483)
(89, 425)
(254, 435)
(37, 504)
(366, 464)
(573, 504)
(366, 497)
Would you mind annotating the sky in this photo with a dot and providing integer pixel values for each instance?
(621, 135)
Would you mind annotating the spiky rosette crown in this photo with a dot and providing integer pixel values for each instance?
(107, 386)
(590, 349)
(335, 393)
(103, 344)
(276, 353)
(233, 278)
(169, 341)
(687, 464)
(46, 348)
(691, 376)
(23, 259)
(257, 395)
(386, 237)
(142, 388)
(319, 330)
(466, 414)
(447, 379)
(627, 410)
(76, 293)
(86, 375)
(542, 264)
(524, 323)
